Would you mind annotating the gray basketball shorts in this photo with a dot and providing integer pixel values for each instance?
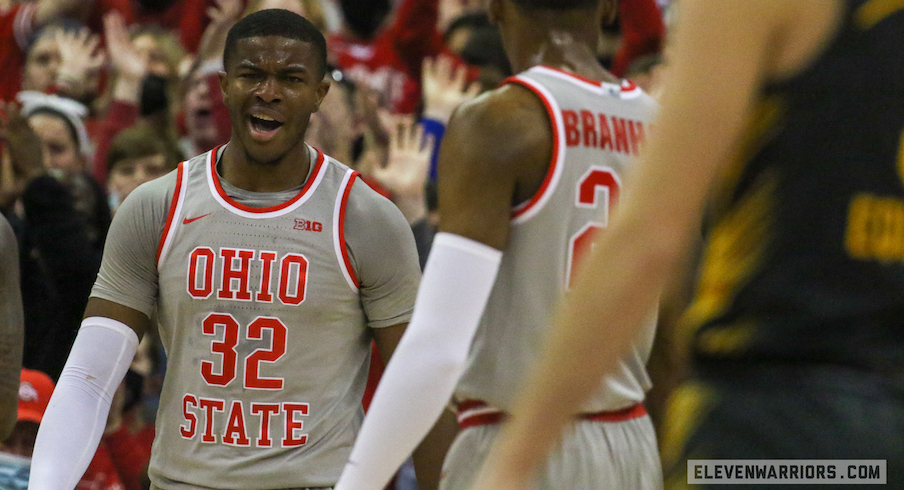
(592, 456)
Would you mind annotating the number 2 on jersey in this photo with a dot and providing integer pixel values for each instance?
(228, 356)
(599, 189)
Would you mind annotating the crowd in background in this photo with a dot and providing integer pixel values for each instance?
(100, 96)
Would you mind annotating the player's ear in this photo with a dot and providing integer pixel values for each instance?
(322, 89)
(222, 76)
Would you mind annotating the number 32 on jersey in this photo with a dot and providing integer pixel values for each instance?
(597, 189)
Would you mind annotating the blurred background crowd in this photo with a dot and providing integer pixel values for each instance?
(100, 96)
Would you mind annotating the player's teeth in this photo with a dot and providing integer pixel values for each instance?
(264, 118)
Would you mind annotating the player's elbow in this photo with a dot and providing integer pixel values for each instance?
(446, 356)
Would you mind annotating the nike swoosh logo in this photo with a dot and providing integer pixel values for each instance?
(189, 220)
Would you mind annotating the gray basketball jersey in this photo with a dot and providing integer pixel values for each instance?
(265, 335)
(597, 129)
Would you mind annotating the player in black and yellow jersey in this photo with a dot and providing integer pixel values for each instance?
(783, 124)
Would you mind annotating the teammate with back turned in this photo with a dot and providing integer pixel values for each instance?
(782, 123)
(527, 174)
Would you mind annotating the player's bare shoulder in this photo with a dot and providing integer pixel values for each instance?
(505, 134)
(506, 117)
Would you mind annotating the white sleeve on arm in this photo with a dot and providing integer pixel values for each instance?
(77, 414)
(428, 362)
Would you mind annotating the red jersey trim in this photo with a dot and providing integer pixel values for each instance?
(628, 89)
(171, 215)
(523, 208)
(212, 168)
(346, 260)
(473, 413)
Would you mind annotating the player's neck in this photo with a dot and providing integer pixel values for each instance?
(568, 49)
(238, 168)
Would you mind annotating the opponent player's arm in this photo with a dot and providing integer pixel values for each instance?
(12, 328)
(721, 55)
(479, 164)
(115, 318)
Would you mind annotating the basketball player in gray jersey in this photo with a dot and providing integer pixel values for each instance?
(270, 266)
(528, 174)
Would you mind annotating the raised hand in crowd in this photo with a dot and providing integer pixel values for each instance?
(81, 59)
(445, 87)
(21, 159)
(222, 17)
(450, 10)
(407, 165)
(129, 64)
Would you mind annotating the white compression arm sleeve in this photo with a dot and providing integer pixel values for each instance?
(428, 362)
(75, 419)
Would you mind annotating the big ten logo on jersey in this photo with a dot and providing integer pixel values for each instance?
(598, 189)
(598, 130)
(283, 278)
(305, 225)
(875, 226)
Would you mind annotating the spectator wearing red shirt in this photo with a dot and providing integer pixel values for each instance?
(387, 60)
(187, 17)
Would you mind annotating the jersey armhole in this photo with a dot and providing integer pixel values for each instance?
(526, 210)
(339, 243)
(175, 209)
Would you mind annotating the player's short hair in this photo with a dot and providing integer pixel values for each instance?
(276, 22)
(558, 4)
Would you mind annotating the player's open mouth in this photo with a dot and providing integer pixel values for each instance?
(263, 128)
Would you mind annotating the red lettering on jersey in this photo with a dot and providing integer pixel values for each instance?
(206, 288)
(225, 348)
(265, 410)
(636, 134)
(235, 434)
(264, 294)
(595, 180)
(605, 133)
(602, 179)
(572, 134)
(292, 292)
(620, 131)
(210, 406)
(278, 331)
(290, 439)
(189, 431)
(231, 274)
(590, 136)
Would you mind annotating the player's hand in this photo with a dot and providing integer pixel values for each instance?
(445, 87)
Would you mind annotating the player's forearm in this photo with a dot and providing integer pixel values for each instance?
(76, 416)
(428, 362)
(429, 456)
(410, 398)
